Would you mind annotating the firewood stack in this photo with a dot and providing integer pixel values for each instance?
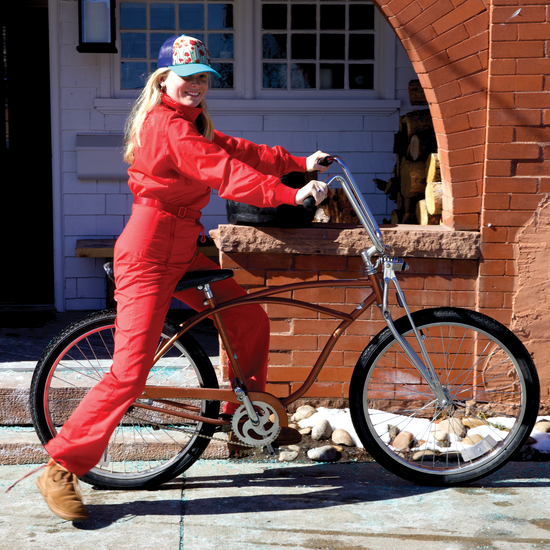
(415, 186)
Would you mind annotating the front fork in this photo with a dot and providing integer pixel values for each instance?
(390, 267)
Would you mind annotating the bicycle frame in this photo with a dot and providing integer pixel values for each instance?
(378, 293)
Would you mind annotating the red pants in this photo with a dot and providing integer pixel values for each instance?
(153, 252)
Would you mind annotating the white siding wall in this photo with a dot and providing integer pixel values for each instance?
(101, 208)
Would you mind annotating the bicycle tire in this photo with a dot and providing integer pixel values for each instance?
(147, 448)
(483, 367)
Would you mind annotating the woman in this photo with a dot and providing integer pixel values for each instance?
(176, 158)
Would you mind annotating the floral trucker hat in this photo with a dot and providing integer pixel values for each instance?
(185, 56)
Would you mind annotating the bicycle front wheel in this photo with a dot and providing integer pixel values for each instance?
(492, 391)
(148, 447)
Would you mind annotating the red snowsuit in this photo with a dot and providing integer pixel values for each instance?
(177, 166)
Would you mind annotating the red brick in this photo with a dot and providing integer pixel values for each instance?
(428, 16)
(280, 359)
(302, 342)
(280, 327)
(321, 295)
(276, 278)
(496, 202)
(304, 262)
(322, 389)
(279, 311)
(465, 206)
(278, 261)
(433, 62)
(429, 266)
(477, 24)
(491, 299)
(504, 32)
(498, 168)
(250, 277)
(287, 374)
(513, 151)
(527, 15)
(472, 45)
(463, 299)
(516, 49)
(465, 104)
(314, 326)
(465, 267)
(502, 100)
(460, 140)
(461, 284)
(526, 202)
(512, 218)
(468, 189)
(309, 358)
(534, 31)
(510, 185)
(500, 134)
(505, 66)
(463, 222)
(533, 134)
(494, 234)
(514, 117)
(533, 100)
(456, 70)
(335, 374)
(463, 13)
(516, 83)
(533, 66)
(457, 157)
(544, 185)
(443, 41)
(493, 251)
(533, 168)
(503, 316)
(474, 83)
(492, 267)
(492, 284)
(233, 261)
(450, 125)
(278, 390)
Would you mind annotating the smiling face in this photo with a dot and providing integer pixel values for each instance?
(188, 90)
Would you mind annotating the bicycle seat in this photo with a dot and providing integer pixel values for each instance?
(191, 279)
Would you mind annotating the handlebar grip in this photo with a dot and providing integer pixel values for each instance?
(309, 203)
(326, 161)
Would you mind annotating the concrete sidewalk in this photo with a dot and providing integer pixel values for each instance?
(253, 506)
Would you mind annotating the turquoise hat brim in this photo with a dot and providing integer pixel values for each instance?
(189, 69)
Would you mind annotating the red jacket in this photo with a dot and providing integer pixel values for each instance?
(177, 165)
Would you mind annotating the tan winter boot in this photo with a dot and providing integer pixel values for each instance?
(60, 489)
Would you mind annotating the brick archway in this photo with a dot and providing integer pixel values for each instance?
(449, 48)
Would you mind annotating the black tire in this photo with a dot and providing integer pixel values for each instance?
(147, 448)
(496, 389)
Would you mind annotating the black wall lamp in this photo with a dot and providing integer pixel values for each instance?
(96, 26)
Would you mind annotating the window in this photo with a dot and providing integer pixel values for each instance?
(146, 24)
(264, 48)
(318, 46)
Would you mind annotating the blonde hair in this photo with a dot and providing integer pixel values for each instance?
(149, 98)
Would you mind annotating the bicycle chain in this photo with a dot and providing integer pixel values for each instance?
(212, 438)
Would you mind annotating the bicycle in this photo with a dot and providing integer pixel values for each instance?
(433, 365)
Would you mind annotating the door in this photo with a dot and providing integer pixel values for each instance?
(26, 218)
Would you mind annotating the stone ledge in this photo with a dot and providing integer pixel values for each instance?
(411, 241)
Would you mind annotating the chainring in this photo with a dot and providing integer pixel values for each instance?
(260, 435)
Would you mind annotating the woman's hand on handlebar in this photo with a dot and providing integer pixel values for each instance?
(316, 189)
(313, 162)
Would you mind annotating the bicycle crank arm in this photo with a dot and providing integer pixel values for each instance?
(426, 370)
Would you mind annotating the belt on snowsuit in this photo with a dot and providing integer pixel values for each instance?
(180, 211)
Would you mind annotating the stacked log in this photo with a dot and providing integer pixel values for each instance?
(415, 186)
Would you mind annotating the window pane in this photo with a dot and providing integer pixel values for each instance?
(303, 75)
(333, 17)
(191, 16)
(361, 17)
(163, 16)
(304, 46)
(274, 46)
(274, 16)
(221, 45)
(133, 16)
(134, 44)
(361, 46)
(226, 73)
(220, 16)
(303, 16)
(361, 77)
(333, 46)
(156, 40)
(133, 75)
(332, 76)
(274, 75)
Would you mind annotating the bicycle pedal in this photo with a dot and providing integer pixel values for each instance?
(269, 450)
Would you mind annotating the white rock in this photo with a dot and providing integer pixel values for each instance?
(321, 430)
(441, 436)
(543, 426)
(452, 426)
(303, 412)
(324, 454)
(419, 455)
(473, 422)
(305, 431)
(287, 456)
(403, 441)
(472, 439)
(341, 437)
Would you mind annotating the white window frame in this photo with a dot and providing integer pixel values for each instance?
(248, 64)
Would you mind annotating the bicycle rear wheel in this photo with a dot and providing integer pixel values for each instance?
(148, 447)
(491, 385)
